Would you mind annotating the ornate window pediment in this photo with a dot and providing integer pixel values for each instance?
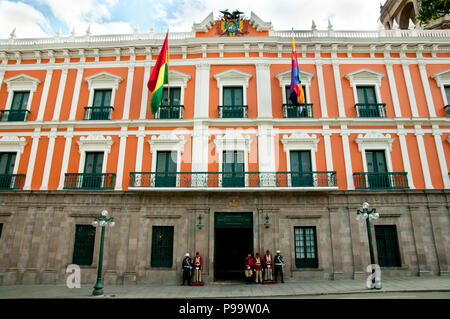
(364, 77)
(232, 77)
(299, 141)
(167, 142)
(95, 142)
(233, 141)
(22, 82)
(442, 78)
(12, 144)
(285, 77)
(178, 78)
(103, 80)
(374, 140)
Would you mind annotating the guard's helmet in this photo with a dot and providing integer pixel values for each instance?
(267, 251)
(197, 253)
(187, 255)
(278, 251)
(257, 254)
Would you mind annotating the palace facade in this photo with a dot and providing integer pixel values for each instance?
(228, 165)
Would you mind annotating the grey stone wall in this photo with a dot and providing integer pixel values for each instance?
(37, 240)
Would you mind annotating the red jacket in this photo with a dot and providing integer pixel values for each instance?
(249, 263)
(197, 261)
(258, 262)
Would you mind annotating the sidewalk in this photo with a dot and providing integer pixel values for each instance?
(213, 290)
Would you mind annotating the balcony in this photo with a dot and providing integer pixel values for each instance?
(389, 180)
(370, 109)
(447, 110)
(297, 110)
(171, 112)
(89, 181)
(186, 180)
(232, 111)
(12, 181)
(14, 115)
(92, 113)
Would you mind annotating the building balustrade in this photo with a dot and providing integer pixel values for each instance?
(388, 180)
(370, 109)
(170, 112)
(297, 110)
(89, 181)
(12, 181)
(98, 113)
(14, 115)
(232, 179)
(233, 111)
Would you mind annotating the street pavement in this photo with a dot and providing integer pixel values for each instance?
(309, 288)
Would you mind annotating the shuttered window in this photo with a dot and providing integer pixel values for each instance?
(84, 245)
(162, 246)
(387, 246)
(305, 247)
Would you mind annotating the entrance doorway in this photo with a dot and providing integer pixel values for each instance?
(233, 237)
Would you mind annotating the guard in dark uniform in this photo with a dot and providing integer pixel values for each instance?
(279, 263)
(187, 269)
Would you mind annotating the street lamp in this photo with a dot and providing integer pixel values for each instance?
(366, 215)
(101, 221)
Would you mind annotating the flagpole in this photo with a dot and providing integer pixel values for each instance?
(168, 86)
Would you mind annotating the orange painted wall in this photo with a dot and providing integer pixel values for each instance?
(330, 90)
(68, 95)
(419, 91)
(130, 160)
(136, 93)
(416, 166)
(401, 90)
(338, 160)
(52, 95)
(433, 161)
(55, 172)
(436, 93)
(38, 169)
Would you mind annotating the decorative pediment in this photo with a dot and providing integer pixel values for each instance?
(104, 79)
(95, 142)
(259, 24)
(177, 78)
(374, 139)
(167, 142)
(299, 141)
(232, 140)
(12, 144)
(364, 76)
(22, 82)
(442, 77)
(285, 77)
(232, 77)
(205, 25)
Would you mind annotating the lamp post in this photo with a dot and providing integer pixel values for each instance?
(101, 221)
(366, 215)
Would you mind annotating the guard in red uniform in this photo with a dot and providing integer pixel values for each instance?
(268, 265)
(258, 262)
(197, 268)
(249, 268)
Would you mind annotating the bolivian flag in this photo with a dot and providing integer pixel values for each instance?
(159, 77)
(296, 94)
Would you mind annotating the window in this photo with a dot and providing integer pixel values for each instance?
(93, 166)
(447, 93)
(170, 108)
(233, 103)
(7, 161)
(233, 169)
(101, 108)
(175, 95)
(301, 171)
(84, 245)
(18, 110)
(162, 246)
(166, 169)
(387, 246)
(288, 94)
(305, 247)
(367, 105)
(378, 176)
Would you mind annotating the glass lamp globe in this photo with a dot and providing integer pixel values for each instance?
(104, 213)
(102, 223)
(112, 224)
(365, 215)
(365, 205)
(95, 223)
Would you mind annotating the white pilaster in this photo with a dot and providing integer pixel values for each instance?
(76, 94)
(405, 156)
(393, 87)
(48, 159)
(66, 155)
(327, 143)
(42, 105)
(32, 159)
(2, 74)
(410, 89)
(201, 104)
(347, 158)
(60, 95)
(140, 149)
(121, 161)
(441, 155)
(423, 157)
(200, 147)
(337, 84)
(126, 107)
(426, 87)
(322, 97)
(263, 91)
(266, 148)
(144, 98)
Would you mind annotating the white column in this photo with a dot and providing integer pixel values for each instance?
(76, 94)
(423, 157)
(140, 149)
(337, 83)
(42, 105)
(405, 156)
(426, 88)
(200, 147)
(32, 159)
(347, 158)
(322, 97)
(263, 91)
(144, 97)
(410, 89)
(327, 144)
(201, 104)
(393, 87)
(2, 74)
(121, 161)
(266, 148)
(441, 155)
(66, 155)
(48, 159)
(126, 107)
(59, 98)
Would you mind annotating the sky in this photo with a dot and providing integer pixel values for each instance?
(45, 18)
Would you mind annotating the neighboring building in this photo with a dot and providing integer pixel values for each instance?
(403, 13)
(228, 166)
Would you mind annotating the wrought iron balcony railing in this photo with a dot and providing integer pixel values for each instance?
(92, 113)
(14, 115)
(232, 111)
(89, 181)
(167, 112)
(388, 180)
(297, 110)
(221, 179)
(370, 109)
(447, 110)
(12, 181)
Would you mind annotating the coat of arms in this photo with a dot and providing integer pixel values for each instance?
(231, 24)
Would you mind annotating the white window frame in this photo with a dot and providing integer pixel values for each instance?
(285, 80)
(13, 144)
(375, 141)
(231, 78)
(365, 77)
(94, 143)
(443, 79)
(21, 82)
(103, 81)
(178, 80)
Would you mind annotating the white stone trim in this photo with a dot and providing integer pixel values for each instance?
(129, 87)
(201, 100)
(120, 162)
(393, 87)
(365, 77)
(21, 82)
(401, 132)
(263, 90)
(32, 159)
(48, 159)
(442, 79)
(103, 80)
(410, 89)
(178, 79)
(13, 144)
(338, 85)
(374, 140)
(94, 143)
(327, 144)
(285, 80)
(144, 97)
(347, 157)
(423, 157)
(200, 147)
(60, 94)
(426, 88)
(259, 24)
(76, 94)
(140, 149)
(321, 84)
(205, 25)
(232, 77)
(43, 104)
(66, 155)
(441, 156)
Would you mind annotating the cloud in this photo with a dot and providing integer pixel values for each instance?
(28, 21)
